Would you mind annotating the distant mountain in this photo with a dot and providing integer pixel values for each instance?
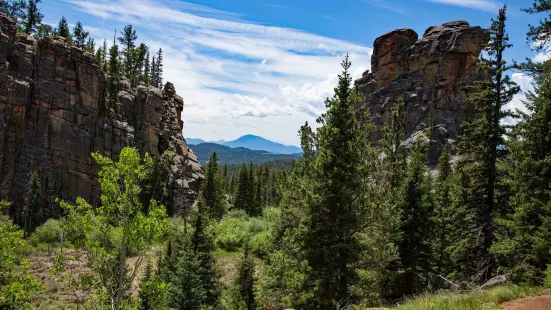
(253, 142)
(228, 155)
(194, 141)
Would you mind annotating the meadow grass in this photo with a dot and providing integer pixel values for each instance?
(474, 300)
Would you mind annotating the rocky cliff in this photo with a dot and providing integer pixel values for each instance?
(430, 74)
(53, 115)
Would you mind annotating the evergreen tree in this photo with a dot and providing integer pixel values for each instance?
(159, 69)
(44, 30)
(147, 68)
(15, 9)
(136, 74)
(79, 35)
(153, 73)
(331, 241)
(540, 35)
(153, 292)
(62, 29)
(243, 195)
(393, 137)
(203, 245)
(443, 211)
(244, 285)
(33, 17)
(33, 203)
(212, 191)
(480, 152)
(416, 213)
(128, 42)
(524, 239)
(186, 286)
(90, 46)
(114, 77)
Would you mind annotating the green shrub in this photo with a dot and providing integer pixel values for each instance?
(230, 233)
(260, 243)
(236, 227)
(48, 233)
(547, 282)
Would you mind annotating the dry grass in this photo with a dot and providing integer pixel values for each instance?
(57, 292)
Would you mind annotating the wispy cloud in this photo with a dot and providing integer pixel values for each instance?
(485, 5)
(277, 6)
(385, 4)
(234, 74)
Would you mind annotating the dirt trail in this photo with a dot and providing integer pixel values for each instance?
(529, 303)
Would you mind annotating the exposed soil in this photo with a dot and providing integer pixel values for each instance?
(542, 302)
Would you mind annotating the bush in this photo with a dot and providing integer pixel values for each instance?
(547, 282)
(236, 227)
(260, 243)
(48, 233)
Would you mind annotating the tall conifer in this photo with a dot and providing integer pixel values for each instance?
(480, 150)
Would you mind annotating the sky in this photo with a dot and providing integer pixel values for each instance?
(264, 67)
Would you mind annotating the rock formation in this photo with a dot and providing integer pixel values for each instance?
(430, 74)
(53, 115)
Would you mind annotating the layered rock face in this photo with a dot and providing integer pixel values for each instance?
(53, 115)
(430, 74)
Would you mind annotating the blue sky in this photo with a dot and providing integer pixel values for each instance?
(264, 67)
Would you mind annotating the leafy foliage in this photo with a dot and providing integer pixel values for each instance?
(118, 227)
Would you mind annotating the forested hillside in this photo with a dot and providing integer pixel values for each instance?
(402, 199)
(238, 155)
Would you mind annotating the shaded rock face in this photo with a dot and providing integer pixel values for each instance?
(53, 115)
(430, 74)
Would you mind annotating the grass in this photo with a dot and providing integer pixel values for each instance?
(475, 300)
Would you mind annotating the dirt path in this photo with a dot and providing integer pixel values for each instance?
(529, 303)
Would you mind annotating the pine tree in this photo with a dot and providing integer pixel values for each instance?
(416, 213)
(62, 29)
(331, 243)
(480, 153)
(137, 69)
(44, 30)
(128, 42)
(147, 69)
(153, 74)
(159, 69)
(33, 203)
(15, 9)
(203, 245)
(443, 211)
(79, 35)
(212, 191)
(33, 17)
(243, 195)
(186, 287)
(145, 298)
(114, 77)
(244, 285)
(393, 137)
(90, 46)
(524, 239)
(540, 34)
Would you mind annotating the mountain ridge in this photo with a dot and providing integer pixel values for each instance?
(252, 142)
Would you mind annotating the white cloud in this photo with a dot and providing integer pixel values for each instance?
(525, 83)
(485, 5)
(236, 77)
